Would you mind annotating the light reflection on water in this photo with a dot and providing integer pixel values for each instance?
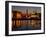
(27, 25)
(33, 23)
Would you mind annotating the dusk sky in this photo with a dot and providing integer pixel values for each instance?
(23, 9)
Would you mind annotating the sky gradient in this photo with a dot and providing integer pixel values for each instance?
(23, 9)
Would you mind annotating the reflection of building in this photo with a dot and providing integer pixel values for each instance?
(18, 23)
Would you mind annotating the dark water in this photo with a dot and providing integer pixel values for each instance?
(26, 28)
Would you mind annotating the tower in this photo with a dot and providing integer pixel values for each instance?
(26, 12)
